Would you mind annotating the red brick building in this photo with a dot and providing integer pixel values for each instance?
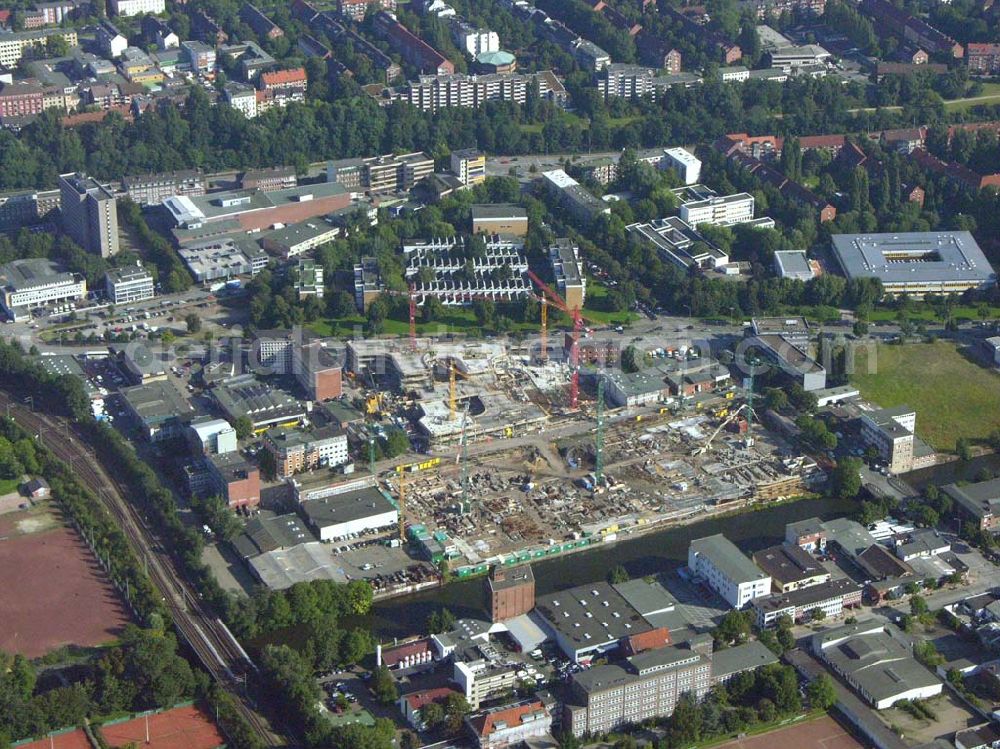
(237, 481)
(414, 50)
(20, 99)
(510, 592)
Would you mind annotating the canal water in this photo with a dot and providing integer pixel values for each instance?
(649, 554)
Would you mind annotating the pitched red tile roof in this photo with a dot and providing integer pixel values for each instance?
(417, 700)
(284, 77)
(822, 141)
(654, 639)
(486, 723)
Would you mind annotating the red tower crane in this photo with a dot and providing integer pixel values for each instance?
(574, 352)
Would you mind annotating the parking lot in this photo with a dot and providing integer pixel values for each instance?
(700, 607)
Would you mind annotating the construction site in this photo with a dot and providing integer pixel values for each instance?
(540, 447)
(517, 471)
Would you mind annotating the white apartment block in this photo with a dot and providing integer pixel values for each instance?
(479, 680)
(12, 46)
(727, 570)
(474, 41)
(684, 163)
(725, 210)
(626, 81)
(242, 98)
(135, 7)
(433, 92)
(130, 284)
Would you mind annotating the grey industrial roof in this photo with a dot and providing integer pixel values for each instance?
(214, 205)
(498, 210)
(806, 527)
(727, 558)
(19, 275)
(648, 598)
(600, 678)
(512, 577)
(792, 262)
(850, 535)
(780, 325)
(569, 263)
(913, 257)
(266, 533)
(644, 381)
(341, 412)
(810, 595)
(128, 273)
(232, 466)
(788, 564)
(886, 417)
(303, 231)
(156, 402)
(343, 508)
(256, 400)
(790, 354)
(979, 499)
(922, 540)
(282, 568)
(591, 615)
(746, 657)
(64, 364)
(881, 665)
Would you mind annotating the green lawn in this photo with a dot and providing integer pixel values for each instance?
(8, 485)
(952, 396)
(362, 716)
(596, 292)
(929, 314)
(990, 90)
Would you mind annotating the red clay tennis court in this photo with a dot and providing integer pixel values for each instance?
(179, 728)
(55, 593)
(822, 733)
(75, 739)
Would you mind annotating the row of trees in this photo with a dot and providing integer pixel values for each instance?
(218, 138)
(143, 671)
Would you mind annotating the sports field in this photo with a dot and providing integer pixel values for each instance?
(73, 739)
(54, 593)
(179, 728)
(953, 397)
(822, 733)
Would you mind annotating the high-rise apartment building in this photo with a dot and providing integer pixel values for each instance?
(89, 213)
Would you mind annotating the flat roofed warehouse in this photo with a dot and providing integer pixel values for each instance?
(590, 619)
(940, 262)
(269, 533)
(790, 567)
(34, 282)
(258, 210)
(358, 511)
(871, 658)
(262, 404)
(159, 407)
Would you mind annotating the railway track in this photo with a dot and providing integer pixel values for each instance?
(217, 649)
